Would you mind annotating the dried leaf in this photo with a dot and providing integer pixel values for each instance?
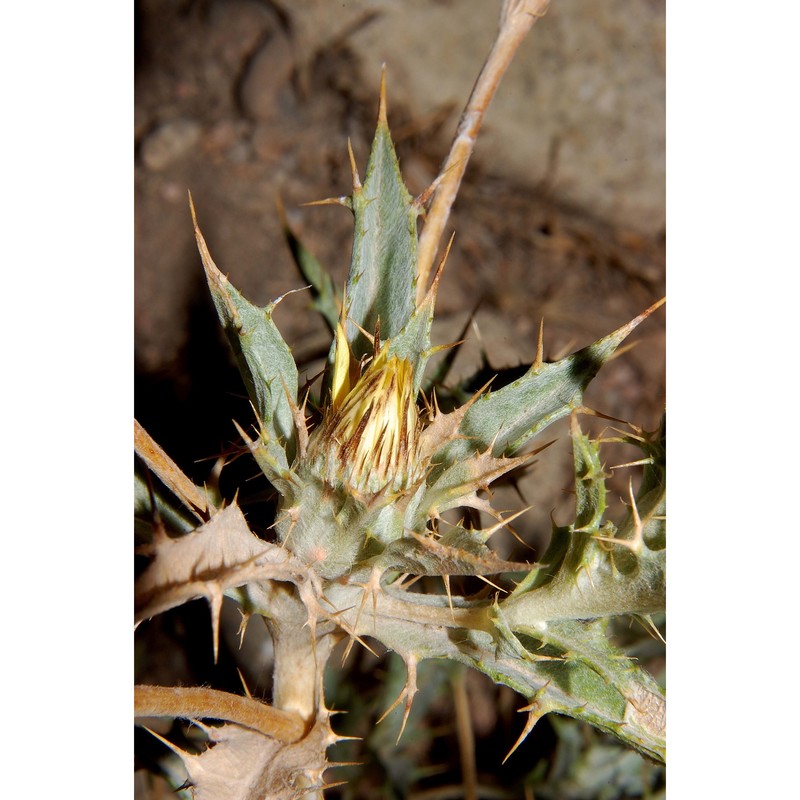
(460, 552)
(170, 473)
(243, 764)
(219, 555)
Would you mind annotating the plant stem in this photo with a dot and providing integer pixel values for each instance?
(189, 702)
(516, 19)
(466, 736)
(301, 652)
(170, 473)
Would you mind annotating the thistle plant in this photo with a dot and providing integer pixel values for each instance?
(382, 469)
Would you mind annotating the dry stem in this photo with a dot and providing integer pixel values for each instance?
(169, 472)
(516, 19)
(198, 702)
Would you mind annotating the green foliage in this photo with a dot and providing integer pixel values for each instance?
(381, 285)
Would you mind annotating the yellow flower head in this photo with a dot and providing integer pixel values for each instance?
(368, 436)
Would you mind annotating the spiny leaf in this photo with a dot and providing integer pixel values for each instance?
(218, 556)
(568, 659)
(590, 656)
(243, 764)
(458, 552)
(604, 590)
(594, 569)
(458, 484)
(264, 359)
(382, 279)
(590, 487)
(508, 418)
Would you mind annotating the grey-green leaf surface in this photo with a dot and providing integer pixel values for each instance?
(510, 417)
(564, 664)
(382, 281)
(264, 359)
(413, 343)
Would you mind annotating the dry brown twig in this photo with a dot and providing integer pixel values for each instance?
(203, 703)
(516, 19)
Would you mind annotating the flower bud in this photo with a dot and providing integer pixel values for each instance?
(368, 436)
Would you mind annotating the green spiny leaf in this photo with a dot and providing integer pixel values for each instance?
(507, 419)
(264, 359)
(562, 663)
(590, 485)
(382, 281)
(458, 552)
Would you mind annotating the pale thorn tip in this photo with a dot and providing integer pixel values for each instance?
(585, 568)
(350, 631)
(493, 585)
(215, 602)
(409, 690)
(323, 786)
(638, 527)
(369, 336)
(636, 321)
(244, 684)
(192, 210)
(353, 167)
(291, 291)
(446, 581)
(592, 412)
(438, 348)
(370, 588)
(382, 102)
(642, 462)
(534, 703)
(533, 718)
(539, 360)
(182, 754)
(504, 522)
(646, 621)
(437, 410)
(342, 200)
(243, 626)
